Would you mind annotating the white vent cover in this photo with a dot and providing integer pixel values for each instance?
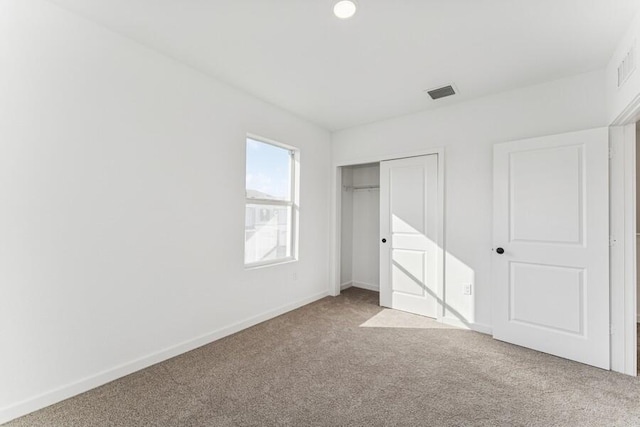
(627, 66)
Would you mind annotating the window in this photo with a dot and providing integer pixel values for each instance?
(270, 209)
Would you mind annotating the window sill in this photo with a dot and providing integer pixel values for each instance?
(259, 265)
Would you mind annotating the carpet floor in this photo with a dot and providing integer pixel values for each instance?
(347, 362)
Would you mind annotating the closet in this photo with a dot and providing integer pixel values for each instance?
(360, 250)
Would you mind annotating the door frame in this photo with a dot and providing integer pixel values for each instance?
(336, 215)
(622, 229)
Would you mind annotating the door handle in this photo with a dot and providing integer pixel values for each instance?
(384, 240)
(500, 251)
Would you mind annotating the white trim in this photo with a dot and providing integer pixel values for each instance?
(268, 202)
(624, 313)
(262, 264)
(629, 115)
(335, 231)
(616, 250)
(367, 286)
(441, 237)
(624, 322)
(630, 278)
(278, 144)
(346, 285)
(56, 395)
(482, 328)
(454, 322)
(476, 327)
(383, 157)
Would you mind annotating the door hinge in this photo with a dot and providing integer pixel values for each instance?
(612, 330)
(612, 241)
(611, 152)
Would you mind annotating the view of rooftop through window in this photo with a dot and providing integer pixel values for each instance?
(268, 171)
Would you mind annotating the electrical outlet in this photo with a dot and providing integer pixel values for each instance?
(466, 289)
(294, 276)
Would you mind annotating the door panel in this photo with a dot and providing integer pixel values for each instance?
(551, 218)
(409, 221)
(407, 187)
(565, 312)
(408, 272)
(547, 201)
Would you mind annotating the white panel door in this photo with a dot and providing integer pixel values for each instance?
(409, 227)
(551, 245)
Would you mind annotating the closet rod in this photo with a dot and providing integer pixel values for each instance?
(361, 187)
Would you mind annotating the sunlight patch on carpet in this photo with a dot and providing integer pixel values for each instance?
(388, 318)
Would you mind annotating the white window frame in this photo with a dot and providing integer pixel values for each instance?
(294, 154)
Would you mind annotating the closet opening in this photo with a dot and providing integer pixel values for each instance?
(360, 227)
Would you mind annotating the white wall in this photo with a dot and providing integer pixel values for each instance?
(618, 99)
(122, 207)
(468, 132)
(366, 228)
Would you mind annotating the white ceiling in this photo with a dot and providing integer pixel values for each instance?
(297, 55)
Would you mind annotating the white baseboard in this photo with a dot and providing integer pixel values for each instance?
(360, 285)
(366, 286)
(477, 327)
(483, 329)
(59, 394)
(454, 322)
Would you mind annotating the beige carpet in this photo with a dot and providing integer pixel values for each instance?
(345, 361)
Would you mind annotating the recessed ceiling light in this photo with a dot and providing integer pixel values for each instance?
(344, 9)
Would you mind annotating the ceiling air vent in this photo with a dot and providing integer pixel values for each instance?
(627, 66)
(441, 92)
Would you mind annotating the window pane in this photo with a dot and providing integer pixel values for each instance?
(267, 233)
(268, 171)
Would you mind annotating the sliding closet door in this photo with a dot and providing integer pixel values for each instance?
(409, 227)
